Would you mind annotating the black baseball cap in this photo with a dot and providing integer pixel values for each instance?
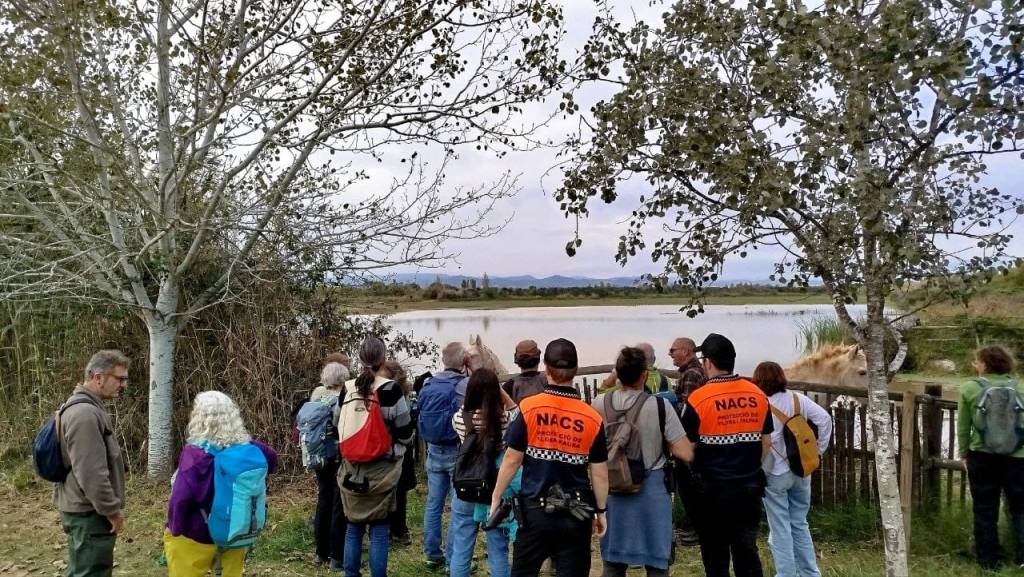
(718, 350)
(561, 354)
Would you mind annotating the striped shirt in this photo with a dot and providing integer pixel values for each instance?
(507, 416)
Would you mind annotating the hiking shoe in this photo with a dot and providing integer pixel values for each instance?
(688, 538)
(403, 540)
(437, 565)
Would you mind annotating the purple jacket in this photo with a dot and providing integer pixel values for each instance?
(192, 493)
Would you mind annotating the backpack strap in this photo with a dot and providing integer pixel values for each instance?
(783, 417)
(796, 405)
(467, 420)
(76, 399)
(633, 412)
(661, 415)
(661, 425)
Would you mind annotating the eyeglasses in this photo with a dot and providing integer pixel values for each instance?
(124, 379)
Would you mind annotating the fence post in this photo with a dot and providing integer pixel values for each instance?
(908, 436)
(931, 439)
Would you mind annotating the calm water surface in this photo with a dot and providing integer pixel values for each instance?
(760, 332)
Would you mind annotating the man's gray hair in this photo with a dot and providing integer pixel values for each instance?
(106, 361)
(648, 353)
(333, 375)
(454, 356)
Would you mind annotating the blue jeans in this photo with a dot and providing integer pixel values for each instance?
(380, 539)
(462, 531)
(440, 467)
(787, 499)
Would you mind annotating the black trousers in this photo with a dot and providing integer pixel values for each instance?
(990, 476)
(330, 523)
(397, 518)
(727, 516)
(687, 491)
(560, 537)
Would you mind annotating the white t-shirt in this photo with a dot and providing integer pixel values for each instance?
(776, 462)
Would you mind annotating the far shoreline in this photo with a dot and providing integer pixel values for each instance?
(385, 305)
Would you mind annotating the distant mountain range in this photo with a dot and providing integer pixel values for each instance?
(424, 279)
(522, 281)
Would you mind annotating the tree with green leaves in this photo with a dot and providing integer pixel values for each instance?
(852, 136)
(191, 140)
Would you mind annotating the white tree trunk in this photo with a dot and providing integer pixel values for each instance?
(894, 535)
(162, 336)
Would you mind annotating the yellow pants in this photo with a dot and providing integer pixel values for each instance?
(186, 558)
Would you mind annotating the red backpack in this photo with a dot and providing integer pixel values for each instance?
(363, 434)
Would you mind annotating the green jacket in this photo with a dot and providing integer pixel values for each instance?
(968, 438)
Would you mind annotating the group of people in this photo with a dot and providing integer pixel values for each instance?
(564, 471)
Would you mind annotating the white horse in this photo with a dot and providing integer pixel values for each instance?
(480, 356)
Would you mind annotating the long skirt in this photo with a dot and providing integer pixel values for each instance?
(640, 525)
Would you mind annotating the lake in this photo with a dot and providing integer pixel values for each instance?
(760, 332)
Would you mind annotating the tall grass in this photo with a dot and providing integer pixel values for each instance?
(818, 331)
(265, 352)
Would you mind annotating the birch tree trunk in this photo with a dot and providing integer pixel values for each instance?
(162, 338)
(163, 334)
(894, 536)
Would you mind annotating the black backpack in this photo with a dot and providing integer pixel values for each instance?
(476, 468)
(46, 453)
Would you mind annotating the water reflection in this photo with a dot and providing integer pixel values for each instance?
(760, 332)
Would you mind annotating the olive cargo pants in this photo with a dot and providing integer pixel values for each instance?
(90, 544)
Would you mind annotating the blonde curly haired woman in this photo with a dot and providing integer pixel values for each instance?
(215, 425)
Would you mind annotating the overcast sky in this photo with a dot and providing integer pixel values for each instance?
(533, 241)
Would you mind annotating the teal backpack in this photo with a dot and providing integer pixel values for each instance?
(239, 509)
(999, 416)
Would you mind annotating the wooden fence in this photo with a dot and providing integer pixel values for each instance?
(928, 468)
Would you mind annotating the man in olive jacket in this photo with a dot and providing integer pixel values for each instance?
(91, 498)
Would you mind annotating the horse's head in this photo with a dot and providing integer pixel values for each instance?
(854, 368)
(832, 364)
(480, 356)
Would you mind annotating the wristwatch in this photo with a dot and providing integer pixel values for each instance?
(598, 510)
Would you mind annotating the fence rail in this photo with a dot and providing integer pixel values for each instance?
(929, 472)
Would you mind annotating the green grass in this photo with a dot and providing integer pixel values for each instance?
(848, 539)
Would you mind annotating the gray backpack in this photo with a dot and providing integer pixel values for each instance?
(318, 438)
(999, 417)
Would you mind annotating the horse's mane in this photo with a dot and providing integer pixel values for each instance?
(826, 357)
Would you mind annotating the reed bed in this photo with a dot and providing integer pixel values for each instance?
(265, 352)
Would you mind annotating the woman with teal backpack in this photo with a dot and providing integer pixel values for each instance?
(990, 423)
(219, 463)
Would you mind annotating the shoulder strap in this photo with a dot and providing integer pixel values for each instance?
(467, 420)
(633, 413)
(76, 399)
(778, 414)
(609, 410)
(661, 414)
(796, 405)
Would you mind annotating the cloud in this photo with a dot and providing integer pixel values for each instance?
(533, 242)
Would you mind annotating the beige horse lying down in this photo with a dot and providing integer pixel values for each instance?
(833, 365)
